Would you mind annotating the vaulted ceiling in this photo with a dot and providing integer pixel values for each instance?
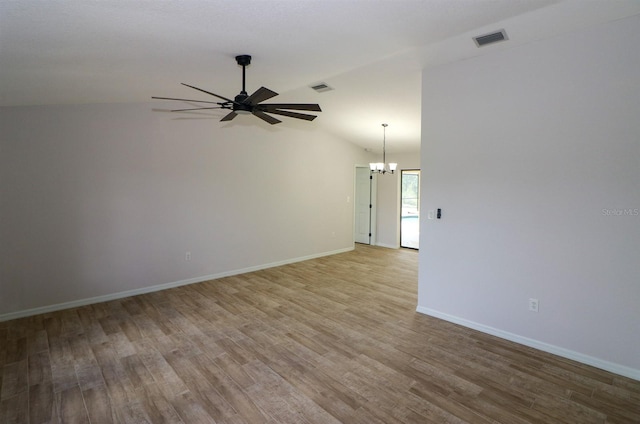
(371, 52)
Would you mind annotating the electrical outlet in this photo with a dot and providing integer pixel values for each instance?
(187, 256)
(534, 304)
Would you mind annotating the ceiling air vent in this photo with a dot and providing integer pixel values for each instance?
(494, 37)
(321, 87)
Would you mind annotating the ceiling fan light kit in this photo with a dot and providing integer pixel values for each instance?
(381, 167)
(244, 104)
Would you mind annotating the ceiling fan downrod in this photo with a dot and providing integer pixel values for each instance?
(244, 60)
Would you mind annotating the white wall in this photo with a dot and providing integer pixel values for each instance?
(533, 154)
(103, 199)
(388, 199)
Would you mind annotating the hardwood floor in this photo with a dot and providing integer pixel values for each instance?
(330, 340)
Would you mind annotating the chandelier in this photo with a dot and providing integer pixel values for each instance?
(381, 167)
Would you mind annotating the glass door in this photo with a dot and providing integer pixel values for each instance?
(410, 208)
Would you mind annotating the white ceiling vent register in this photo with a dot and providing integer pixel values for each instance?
(321, 87)
(491, 38)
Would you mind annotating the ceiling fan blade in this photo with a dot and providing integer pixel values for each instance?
(260, 95)
(186, 100)
(229, 116)
(208, 92)
(198, 108)
(293, 114)
(270, 119)
(294, 106)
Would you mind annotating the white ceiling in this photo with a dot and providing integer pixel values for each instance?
(370, 51)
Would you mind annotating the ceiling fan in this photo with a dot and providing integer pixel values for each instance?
(245, 104)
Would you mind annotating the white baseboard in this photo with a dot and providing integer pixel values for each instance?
(388, 246)
(556, 350)
(105, 298)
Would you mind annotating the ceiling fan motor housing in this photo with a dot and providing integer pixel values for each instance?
(239, 106)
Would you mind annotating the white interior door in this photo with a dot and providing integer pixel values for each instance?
(362, 224)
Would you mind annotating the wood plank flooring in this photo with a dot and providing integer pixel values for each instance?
(330, 340)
